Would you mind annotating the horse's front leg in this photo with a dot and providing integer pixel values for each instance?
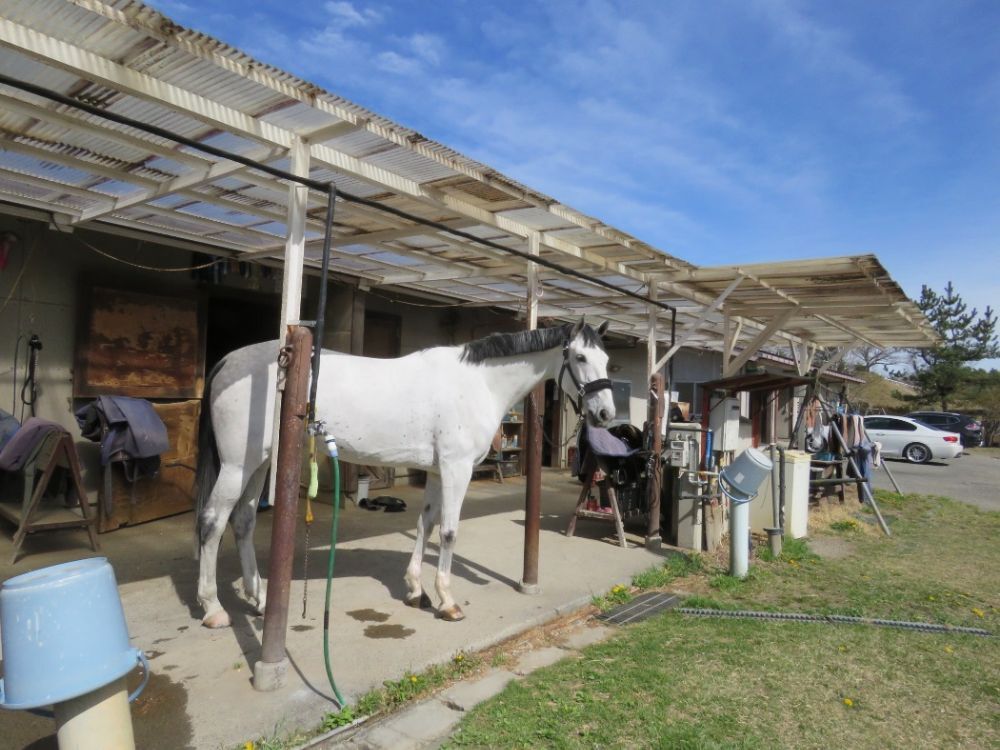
(454, 483)
(415, 596)
(211, 525)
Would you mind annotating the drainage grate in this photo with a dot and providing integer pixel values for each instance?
(643, 606)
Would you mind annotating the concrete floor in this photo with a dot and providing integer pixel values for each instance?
(200, 694)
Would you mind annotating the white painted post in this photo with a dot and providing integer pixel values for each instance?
(291, 286)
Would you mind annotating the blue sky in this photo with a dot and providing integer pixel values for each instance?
(721, 132)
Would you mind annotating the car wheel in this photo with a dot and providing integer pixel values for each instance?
(916, 453)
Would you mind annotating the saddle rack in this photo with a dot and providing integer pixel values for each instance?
(54, 450)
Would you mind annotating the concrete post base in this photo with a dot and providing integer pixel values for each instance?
(654, 543)
(528, 588)
(268, 676)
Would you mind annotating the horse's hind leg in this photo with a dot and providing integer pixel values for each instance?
(428, 517)
(243, 520)
(211, 525)
(454, 483)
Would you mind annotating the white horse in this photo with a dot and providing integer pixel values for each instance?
(436, 410)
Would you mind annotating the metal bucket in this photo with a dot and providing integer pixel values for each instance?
(743, 477)
(64, 634)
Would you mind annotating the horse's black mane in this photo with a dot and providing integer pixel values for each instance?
(523, 342)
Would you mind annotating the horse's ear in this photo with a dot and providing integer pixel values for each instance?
(577, 327)
(602, 328)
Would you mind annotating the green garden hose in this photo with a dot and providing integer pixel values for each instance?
(331, 446)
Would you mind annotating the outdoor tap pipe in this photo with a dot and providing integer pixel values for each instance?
(777, 529)
(97, 720)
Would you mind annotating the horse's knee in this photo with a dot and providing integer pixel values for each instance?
(209, 526)
(449, 537)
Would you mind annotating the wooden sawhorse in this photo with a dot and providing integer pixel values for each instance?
(55, 450)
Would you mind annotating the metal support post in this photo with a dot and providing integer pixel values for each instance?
(533, 445)
(269, 672)
(533, 492)
(862, 484)
(654, 538)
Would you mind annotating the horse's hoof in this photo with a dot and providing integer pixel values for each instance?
(453, 613)
(215, 620)
(420, 602)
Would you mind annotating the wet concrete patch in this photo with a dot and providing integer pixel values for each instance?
(388, 631)
(159, 720)
(368, 615)
(302, 628)
(159, 715)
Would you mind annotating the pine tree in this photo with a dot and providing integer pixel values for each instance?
(966, 336)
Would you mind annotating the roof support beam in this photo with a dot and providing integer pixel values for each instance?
(209, 173)
(803, 354)
(692, 329)
(758, 341)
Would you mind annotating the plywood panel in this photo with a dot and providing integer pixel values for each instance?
(168, 493)
(141, 345)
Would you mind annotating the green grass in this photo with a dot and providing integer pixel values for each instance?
(682, 682)
(392, 695)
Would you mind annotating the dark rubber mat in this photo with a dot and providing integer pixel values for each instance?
(643, 606)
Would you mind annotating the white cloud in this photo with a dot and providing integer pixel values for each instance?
(345, 14)
(827, 52)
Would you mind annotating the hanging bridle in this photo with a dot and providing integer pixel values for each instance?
(582, 389)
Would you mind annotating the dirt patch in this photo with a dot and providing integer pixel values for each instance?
(831, 547)
(823, 516)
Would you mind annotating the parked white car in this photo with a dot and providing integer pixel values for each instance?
(902, 437)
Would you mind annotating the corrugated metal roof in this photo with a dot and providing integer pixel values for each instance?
(127, 58)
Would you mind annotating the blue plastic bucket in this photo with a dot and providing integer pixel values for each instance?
(64, 634)
(742, 478)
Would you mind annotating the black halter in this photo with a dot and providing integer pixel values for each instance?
(582, 389)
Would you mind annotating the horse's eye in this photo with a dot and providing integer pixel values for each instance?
(580, 358)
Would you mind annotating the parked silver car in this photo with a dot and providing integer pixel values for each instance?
(911, 439)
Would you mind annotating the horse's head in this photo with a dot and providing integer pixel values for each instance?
(584, 374)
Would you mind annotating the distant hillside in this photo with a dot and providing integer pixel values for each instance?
(875, 395)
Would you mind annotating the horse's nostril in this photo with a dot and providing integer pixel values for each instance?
(604, 415)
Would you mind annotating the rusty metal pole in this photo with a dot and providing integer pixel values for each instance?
(654, 538)
(269, 672)
(533, 490)
(533, 445)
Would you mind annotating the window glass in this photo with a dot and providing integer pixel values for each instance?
(876, 423)
(899, 424)
(621, 391)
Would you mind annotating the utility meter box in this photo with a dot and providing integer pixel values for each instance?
(725, 423)
(679, 453)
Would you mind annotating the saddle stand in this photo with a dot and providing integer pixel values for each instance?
(54, 451)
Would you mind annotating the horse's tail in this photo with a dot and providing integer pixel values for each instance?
(208, 457)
